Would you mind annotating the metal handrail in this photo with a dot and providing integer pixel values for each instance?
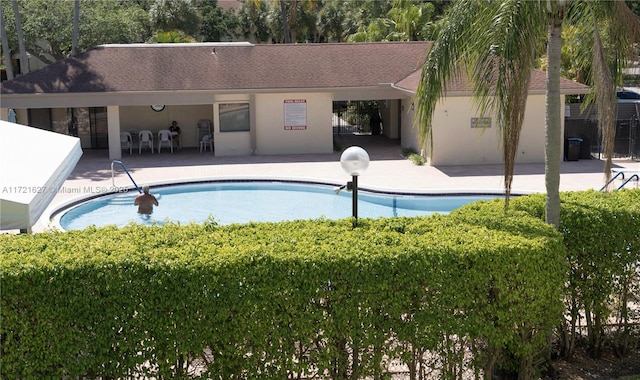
(126, 171)
(629, 179)
(613, 179)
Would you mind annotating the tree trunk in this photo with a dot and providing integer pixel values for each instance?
(6, 52)
(76, 26)
(24, 62)
(553, 138)
(605, 100)
(285, 22)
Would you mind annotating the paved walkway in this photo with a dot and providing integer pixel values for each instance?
(388, 170)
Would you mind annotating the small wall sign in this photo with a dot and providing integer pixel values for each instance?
(480, 122)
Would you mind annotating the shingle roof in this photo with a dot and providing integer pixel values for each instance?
(170, 67)
(461, 83)
(245, 67)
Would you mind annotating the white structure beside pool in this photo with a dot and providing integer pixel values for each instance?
(35, 164)
(260, 99)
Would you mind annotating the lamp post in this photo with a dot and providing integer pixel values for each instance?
(354, 161)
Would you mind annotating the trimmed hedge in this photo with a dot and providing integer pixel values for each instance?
(602, 237)
(476, 290)
(601, 233)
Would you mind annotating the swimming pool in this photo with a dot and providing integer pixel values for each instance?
(254, 201)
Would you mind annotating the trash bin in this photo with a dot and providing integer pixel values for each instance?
(572, 148)
(585, 149)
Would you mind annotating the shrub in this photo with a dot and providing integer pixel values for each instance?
(413, 156)
(275, 300)
(602, 237)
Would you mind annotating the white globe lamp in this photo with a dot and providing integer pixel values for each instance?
(354, 161)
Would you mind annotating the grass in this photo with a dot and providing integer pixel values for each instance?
(413, 156)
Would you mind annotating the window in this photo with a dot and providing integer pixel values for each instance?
(234, 117)
(40, 118)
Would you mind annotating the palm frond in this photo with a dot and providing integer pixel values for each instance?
(443, 63)
(498, 61)
(612, 29)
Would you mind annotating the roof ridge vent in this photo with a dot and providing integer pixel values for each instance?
(182, 44)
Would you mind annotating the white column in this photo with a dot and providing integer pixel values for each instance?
(113, 123)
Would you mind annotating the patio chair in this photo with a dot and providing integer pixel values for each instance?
(126, 142)
(206, 141)
(165, 138)
(145, 137)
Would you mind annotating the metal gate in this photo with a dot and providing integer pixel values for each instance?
(627, 139)
(351, 117)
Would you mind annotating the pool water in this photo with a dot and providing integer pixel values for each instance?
(254, 201)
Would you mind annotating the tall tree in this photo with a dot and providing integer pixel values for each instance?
(24, 63)
(6, 51)
(76, 22)
(499, 40)
(553, 131)
(217, 24)
(48, 28)
(410, 18)
(285, 23)
(331, 20)
(167, 15)
(252, 20)
(553, 137)
(612, 31)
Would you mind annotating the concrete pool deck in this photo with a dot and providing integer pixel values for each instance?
(388, 170)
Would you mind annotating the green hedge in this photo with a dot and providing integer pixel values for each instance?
(477, 291)
(602, 237)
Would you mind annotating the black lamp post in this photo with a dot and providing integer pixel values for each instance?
(354, 161)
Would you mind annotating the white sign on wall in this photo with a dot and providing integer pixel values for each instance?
(295, 114)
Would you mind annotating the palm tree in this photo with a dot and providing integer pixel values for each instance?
(410, 18)
(613, 29)
(506, 51)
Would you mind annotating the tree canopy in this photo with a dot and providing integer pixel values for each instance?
(498, 42)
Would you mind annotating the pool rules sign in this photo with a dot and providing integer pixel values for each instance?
(295, 114)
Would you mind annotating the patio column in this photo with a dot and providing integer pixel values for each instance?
(113, 123)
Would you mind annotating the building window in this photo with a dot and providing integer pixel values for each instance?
(234, 117)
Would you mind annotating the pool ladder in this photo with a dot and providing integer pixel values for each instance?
(621, 174)
(126, 171)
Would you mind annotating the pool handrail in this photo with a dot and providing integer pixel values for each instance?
(619, 174)
(126, 171)
(637, 178)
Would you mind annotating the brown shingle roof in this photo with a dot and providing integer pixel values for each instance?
(169, 67)
(461, 84)
(245, 67)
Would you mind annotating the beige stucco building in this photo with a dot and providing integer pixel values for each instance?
(259, 99)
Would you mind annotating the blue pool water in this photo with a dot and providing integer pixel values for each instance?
(254, 201)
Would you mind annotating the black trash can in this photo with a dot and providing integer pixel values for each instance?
(572, 148)
(585, 149)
